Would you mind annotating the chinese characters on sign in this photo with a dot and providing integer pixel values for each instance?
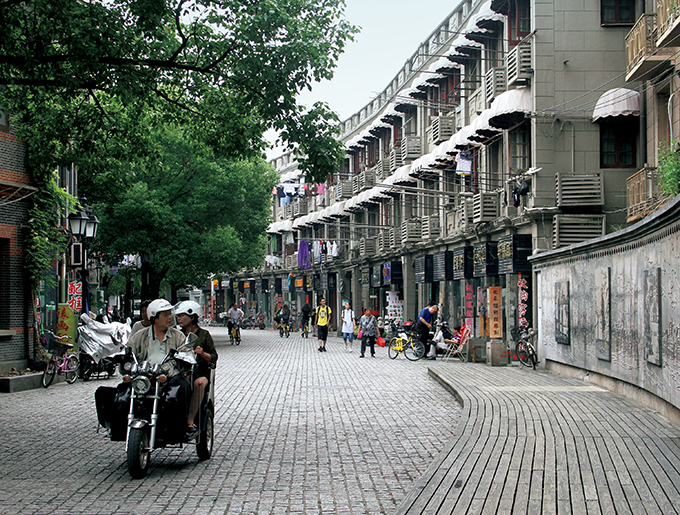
(522, 301)
(75, 296)
(495, 312)
(469, 306)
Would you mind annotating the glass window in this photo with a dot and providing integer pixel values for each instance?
(616, 12)
(519, 20)
(519, 149)
(617, 144)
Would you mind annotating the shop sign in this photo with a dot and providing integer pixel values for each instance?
(376, 276)
(324, 282)
(523, 312)
(392, 273)
(513, 253)
(442, 263)
(424, 269)
(234, 285)
(495, 317)
(75, 296)
(469, 305)
(309, 283)
(485, 257)
(66, 321)
(299, 282)
(462, 263)
(365, 276)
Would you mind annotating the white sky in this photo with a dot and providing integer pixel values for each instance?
(391, 31)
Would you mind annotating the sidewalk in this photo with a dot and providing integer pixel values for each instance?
(534, 442)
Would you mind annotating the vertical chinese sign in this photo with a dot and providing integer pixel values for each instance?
(495, 321)
(469, 308)
(75, 296)
(523, 311)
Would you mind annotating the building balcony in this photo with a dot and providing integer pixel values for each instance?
(668, 20)
(644, 58)
(643, 194)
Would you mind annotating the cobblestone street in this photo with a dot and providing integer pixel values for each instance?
(297, 431)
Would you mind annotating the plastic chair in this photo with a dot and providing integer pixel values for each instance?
(456, 349)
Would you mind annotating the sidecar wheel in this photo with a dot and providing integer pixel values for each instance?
(138, 453)
(205, 439)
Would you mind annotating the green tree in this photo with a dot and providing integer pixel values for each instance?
(188, 213)
(89, 80)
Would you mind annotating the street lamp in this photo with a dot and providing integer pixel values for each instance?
(83, 224)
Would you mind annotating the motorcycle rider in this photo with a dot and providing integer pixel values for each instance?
(152, 344)
(187, 313)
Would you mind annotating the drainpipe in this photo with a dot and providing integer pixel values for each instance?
(670, 120)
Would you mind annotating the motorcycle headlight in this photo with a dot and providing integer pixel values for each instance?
(142, 385)
(127, 366)
(166, 367)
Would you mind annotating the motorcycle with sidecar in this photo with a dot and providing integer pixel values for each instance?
(148, 410)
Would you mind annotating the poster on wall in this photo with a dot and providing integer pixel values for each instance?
(652, 315)
(603, 315)
(562, 313)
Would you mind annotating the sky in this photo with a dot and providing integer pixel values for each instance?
(391, 31)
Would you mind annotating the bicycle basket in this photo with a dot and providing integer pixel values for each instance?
(514, 332)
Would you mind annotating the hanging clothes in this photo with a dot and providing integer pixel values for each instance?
(303, 255)
(464, 163)
(320, 188)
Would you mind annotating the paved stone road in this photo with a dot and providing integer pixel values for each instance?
(297, 431)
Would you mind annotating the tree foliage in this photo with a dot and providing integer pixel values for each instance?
(89, 81)
(194, 214)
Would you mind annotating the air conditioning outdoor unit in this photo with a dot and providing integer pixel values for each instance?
(431, 227)
(485, 207)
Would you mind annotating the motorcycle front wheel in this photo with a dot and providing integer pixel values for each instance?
(86, 369)
(205, 440)
(138, 453)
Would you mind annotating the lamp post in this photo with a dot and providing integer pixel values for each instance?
(83, 224)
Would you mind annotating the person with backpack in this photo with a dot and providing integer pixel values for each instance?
(323, 318)
(348, 324)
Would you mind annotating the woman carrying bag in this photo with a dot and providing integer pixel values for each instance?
(368, 327)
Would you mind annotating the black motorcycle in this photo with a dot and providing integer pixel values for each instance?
(89, 367)
(148, 410)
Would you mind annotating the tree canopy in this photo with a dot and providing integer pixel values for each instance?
(191, 213)
(90, 80)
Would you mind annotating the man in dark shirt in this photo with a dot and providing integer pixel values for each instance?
(425, 324)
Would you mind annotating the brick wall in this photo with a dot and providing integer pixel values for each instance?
(15, 309)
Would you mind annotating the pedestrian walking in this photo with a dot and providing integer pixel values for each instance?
(348, 324)
(323, 317)
(425, 324)
(368, 326)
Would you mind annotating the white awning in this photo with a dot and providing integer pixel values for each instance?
(279, 227)
(389, 112)
(460, 139)
(462, 42)
(481, 128)
(300, 222)
(443, 63)
(617, 102)
(511, 102)
(401, 176)
(486, 14)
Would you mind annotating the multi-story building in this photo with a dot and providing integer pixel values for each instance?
(517, 126)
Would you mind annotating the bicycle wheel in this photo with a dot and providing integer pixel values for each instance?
(394, 348)
(414, 350)
(71, 371)
(280, 332)
(522, 353)
(287, 332)
(534, 358)
(238, 335)
(50, 371)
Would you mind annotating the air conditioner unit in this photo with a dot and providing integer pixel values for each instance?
(366, 180)
(383, 239)
(356, 185)
(411, 148)
(464, 214)
(576, 190)
(367, 246)
(519, 64)
(395, 238)
(485, 207)
(411, 231)
(443, 128)
(344, 190)
(572, 229)
(495, 83)
(431, 227)
(395, 158)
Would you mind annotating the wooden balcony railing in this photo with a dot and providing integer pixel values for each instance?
(668, 14)
(643, 194)
(643, 57)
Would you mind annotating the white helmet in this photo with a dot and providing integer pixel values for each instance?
(189, 307)
(157, 306)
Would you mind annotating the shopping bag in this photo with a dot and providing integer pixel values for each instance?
(380, 341)
(360, 334)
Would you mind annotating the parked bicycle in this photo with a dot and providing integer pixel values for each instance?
(409, 344)
(524, 348)
(67, 364)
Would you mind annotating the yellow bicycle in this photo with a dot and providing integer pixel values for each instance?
(235, 334)
(412, 348)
